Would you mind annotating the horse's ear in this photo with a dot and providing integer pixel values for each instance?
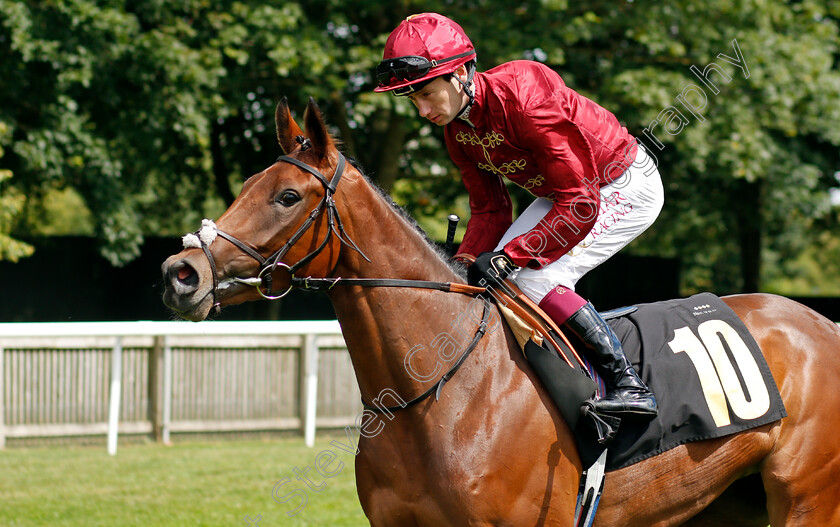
(316, 129)
(287, 128)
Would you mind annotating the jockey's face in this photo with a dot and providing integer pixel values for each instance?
(441, 100)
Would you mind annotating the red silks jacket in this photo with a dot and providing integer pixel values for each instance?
(557, 144)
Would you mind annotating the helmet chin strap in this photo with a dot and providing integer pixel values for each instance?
(469, 89)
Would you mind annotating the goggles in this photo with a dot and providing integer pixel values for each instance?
(410, 67)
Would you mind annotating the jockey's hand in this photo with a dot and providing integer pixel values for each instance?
(489, 269)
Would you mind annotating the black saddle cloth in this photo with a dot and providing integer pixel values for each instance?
(707, 372)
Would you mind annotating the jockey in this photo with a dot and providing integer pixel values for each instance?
(596, 188)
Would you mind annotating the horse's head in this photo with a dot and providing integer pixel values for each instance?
(284, 221)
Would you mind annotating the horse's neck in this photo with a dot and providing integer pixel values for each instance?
(382, 325)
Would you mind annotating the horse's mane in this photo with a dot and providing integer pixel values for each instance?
(456, 266)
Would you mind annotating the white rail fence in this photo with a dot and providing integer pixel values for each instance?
(159, 378)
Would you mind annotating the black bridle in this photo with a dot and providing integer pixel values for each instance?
(263, 280)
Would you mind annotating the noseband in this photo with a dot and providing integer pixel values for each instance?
(204, 237)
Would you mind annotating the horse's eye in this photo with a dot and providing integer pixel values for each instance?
(288, 198)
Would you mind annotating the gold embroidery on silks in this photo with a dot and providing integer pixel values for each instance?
(491, 140)
(506, 168)
(535, 181)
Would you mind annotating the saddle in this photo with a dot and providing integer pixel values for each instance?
(694, 402)
(686, 350)
(528, 321)
(570, 385)
(569, 379)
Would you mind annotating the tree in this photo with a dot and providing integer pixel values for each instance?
(154, 112)
(10, 206)
(752, 179)
(747, 166)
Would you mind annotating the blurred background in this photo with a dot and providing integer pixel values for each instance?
(123, 124)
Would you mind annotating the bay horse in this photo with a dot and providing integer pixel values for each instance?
(493, 450)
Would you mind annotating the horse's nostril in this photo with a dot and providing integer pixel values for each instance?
(185, 274)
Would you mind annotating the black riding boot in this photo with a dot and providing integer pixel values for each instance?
(627, 395)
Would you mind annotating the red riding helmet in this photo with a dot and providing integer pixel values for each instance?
(422, 47)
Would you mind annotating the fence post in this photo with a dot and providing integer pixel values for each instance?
(116, 392)
(2, 399)
(310, 357)
(167, 390)
(156, 388)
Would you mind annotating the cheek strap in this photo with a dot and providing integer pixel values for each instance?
(469, 88)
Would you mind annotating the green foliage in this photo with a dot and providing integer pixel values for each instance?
(11, 203)
(154, 112)
(60, 213)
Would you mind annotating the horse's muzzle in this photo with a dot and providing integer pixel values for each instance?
(185, 292)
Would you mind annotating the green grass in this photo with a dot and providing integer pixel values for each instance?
(189, 484)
